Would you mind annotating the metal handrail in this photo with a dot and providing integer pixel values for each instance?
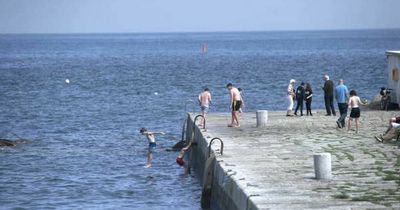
(222, 146)
(195, 119)
(184, 129)
(190, 101)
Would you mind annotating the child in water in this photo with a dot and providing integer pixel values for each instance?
(354, 104)
(152, 144)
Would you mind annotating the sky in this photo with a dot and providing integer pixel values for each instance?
(141, 16)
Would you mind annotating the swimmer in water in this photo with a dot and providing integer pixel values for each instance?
(152, 144)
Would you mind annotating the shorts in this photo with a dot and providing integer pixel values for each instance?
(355, 112)
(152, 147)
(236, 105)
(204, 108)
(397, 120)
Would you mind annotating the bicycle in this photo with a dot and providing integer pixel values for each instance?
(385, 98)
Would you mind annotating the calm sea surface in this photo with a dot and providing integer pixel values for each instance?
(85, 151)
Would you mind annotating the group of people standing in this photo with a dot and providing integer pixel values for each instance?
(341, 93)
(303, 93)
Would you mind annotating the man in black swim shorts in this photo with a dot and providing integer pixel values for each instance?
(236, 103)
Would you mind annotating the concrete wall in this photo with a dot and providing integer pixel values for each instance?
(394, 62)
(226, 193)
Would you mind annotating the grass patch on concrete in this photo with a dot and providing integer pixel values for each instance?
(322, 189)
(368, 153)
(391, 176)
(349, 156)
(341, 196)
(398, 161)
(370, 198)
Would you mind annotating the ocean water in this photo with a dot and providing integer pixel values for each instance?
(85, 151)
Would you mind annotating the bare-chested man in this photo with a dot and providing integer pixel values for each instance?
(236, 103)
(204, 101)
(152, 144)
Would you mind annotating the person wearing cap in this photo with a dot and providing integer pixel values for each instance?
(290, 96)
(300, 95)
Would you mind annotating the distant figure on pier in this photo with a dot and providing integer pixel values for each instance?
(354, 103)
(204, 102)
(300, 95)
(308, 99)
(392, 131)
(235, 103)
(328, 96)
(152, 144)
(290, 96)
(342, 95)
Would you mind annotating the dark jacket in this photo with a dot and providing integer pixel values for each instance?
(300, 93)
(328, 88)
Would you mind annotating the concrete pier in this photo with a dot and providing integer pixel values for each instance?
(272, 167)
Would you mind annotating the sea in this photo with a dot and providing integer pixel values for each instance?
(80, 100)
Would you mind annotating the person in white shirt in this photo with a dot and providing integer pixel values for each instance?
(290, 97)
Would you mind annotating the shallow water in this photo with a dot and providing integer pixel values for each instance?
(85, 151)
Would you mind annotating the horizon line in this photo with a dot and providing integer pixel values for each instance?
(199, 32)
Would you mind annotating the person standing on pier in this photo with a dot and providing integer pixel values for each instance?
(205, 102)
(300, 95)
(290, 96)
(235, 103)
(342, 95)
(328, 96)
(308, 95)
(354, 103)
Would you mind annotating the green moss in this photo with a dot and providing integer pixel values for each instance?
(349, 156)
(341, 196)
(370, 198)
(361, 175)
(398, 161)
(390, 177)
(322, 189)
(368, 153)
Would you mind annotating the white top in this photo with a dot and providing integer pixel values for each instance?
(290, 89)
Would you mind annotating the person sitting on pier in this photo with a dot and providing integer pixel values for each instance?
(392, 132)
(152, 144)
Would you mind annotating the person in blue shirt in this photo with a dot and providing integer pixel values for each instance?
(342, 95)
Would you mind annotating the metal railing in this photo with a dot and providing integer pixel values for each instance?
(204, 121)
(190, 101)
(221, 146)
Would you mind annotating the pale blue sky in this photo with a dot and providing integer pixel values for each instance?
(97, 16)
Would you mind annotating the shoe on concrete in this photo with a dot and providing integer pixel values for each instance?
(379, 139)
(338, 124)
